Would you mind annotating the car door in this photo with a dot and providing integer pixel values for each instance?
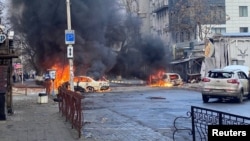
(244, 81)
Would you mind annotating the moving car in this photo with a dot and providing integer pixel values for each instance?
(174, 78)
(88, 84)
(225, 83)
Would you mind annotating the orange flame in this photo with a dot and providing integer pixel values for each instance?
(157, 80)
(62, 75)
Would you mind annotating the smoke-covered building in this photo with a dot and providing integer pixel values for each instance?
(140, 8)
(160, 19)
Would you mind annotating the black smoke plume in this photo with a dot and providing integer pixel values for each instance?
(98, 24)
(43, 22)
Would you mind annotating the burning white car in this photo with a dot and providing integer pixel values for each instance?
(88, 84)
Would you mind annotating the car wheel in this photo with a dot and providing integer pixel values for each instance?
(205, 99)
(90, 89)
(80, 89)
(240, 98)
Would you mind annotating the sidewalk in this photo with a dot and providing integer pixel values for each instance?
(33, 121)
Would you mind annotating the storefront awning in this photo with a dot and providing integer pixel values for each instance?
(186, 60)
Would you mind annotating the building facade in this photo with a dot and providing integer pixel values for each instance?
(187, 42)
(237, 17)
(159, 20)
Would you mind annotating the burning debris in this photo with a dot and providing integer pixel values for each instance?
(43, 24)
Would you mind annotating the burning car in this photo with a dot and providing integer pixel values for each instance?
(174, 78)
(163, 79)
(88, 84)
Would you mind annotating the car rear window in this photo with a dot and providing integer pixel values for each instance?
(220, 74)
(174, 77)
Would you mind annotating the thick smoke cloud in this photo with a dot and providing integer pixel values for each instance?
(98, 24)
(44, 22)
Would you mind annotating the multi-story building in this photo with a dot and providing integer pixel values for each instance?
(141, 9)
(158, 17)
(237, 17)
(231, 40)
(186, 41)
(159, 20)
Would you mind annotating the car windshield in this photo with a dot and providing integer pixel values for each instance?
(220, 75)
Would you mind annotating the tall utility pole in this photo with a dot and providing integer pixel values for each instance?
(69, 40)
(21, 59)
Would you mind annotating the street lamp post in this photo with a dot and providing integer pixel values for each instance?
(69, 40)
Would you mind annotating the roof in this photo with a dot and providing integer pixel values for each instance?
(245, 34)
(232, 68)
(186, 59)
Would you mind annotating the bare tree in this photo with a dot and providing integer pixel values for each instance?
(132, 22)
(131, 39)
(27, 54)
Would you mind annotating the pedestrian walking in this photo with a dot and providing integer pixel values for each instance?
(14, 78)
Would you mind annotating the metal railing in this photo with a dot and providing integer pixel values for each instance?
(200, 118)
(70, 107)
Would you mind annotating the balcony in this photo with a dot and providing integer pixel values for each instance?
(160, 8)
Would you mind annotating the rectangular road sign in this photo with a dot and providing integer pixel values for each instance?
(2, 38)
(70, 51)
(69, 37)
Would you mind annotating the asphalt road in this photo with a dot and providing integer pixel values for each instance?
(149, 112)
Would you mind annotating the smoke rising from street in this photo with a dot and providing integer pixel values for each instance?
(98, 24)
(44, 22)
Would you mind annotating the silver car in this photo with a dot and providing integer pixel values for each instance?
(225, 83)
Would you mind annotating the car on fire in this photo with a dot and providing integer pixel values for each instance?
(228, 82)
(88, 84)
(173, 78)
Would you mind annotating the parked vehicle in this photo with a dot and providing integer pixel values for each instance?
(88, 84)
(174, 78)
(225, 83)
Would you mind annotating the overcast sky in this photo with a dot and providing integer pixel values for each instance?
(6, 6)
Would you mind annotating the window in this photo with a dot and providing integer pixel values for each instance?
(237, 62)
(188, 37)
(174, 77)
(177, 37)
(182, 37)
(243, 29)
(219, 30)
(243, 11)
(220, 75)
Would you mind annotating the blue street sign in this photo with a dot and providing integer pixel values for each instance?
(69, 37)
(2, 38)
